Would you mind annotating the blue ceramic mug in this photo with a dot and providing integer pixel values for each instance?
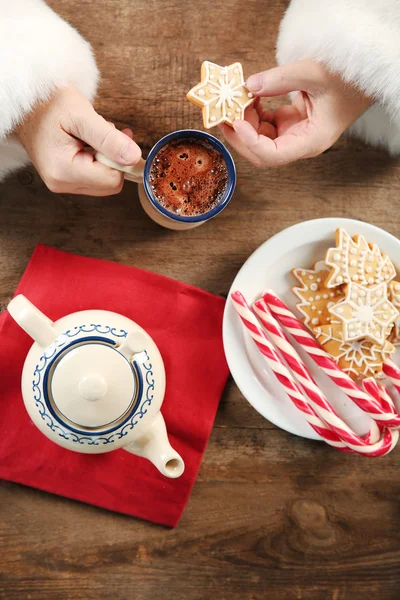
(140, 173)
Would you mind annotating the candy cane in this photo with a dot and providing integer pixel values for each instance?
(387, 401)
(371, 407)
(373, 444)
(380, 393)
(392, 371)
(282, 373)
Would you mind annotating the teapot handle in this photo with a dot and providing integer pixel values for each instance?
(134, 343)
(32, 321)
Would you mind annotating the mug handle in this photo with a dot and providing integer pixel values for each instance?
(132, 173)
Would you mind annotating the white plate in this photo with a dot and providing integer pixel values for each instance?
(270, 268)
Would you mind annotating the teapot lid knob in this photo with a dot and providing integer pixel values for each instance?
(92, 387)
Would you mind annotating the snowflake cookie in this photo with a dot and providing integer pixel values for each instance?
(354, 260)
(365, 313)
(221, 94)
(359, 358)
(316, 298)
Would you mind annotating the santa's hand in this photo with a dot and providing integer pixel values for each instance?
(55, 135)
(321, 111)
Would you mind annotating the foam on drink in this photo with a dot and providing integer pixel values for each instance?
(188, 177)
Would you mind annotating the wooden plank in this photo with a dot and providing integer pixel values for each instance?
(272, 516)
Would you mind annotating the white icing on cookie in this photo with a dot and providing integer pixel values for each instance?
(360, 262)
(358, 357)
(221, 93)
(366, 312)
(313, 294)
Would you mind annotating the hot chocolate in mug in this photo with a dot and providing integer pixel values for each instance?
(141, 174)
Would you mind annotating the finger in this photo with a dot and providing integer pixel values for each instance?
(128, 132)
(90, 191)
(301, 103)
(303, 75)
(265, 115)
(91, 128)
(285, 117)
(233, 139)
(251, 115)
(281, 151)
(268, 130)
(90, 174)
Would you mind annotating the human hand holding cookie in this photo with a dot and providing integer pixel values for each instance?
(320, 112)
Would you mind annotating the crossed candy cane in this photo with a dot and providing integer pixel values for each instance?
(316, 408)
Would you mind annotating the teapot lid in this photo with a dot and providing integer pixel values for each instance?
(92, 385)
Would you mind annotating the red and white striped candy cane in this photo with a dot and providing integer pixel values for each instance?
(387, 401)
(296, 329)
(379, 392)
(374, 444)
(281, 372)
(392, 371)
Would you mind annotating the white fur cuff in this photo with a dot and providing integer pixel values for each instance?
(39, 52)
(360, 39)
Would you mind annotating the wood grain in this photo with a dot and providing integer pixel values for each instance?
(272, 517)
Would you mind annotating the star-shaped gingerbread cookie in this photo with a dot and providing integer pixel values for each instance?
(365, 313)
(354, 260)
(360, 358)
(221, 94)
(316, 298)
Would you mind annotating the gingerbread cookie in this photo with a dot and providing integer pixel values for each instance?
(365, 313)
(359, 358)
(354, 260)
(316, 298)
(221, 94)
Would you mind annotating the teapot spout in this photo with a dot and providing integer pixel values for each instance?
(154, 445)
(32, 321)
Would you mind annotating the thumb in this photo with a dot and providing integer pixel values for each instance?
(102, 136)
(304, 75)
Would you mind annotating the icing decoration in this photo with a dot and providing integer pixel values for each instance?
(354, 259)
(365, 313)
(221, 91)
(359, 358)
(312, 282)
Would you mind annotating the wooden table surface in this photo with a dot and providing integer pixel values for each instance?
(271, 516)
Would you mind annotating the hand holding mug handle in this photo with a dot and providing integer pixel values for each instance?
(131, 173)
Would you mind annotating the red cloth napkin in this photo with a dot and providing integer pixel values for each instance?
(185, 323)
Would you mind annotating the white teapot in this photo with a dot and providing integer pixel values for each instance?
(94, 381)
